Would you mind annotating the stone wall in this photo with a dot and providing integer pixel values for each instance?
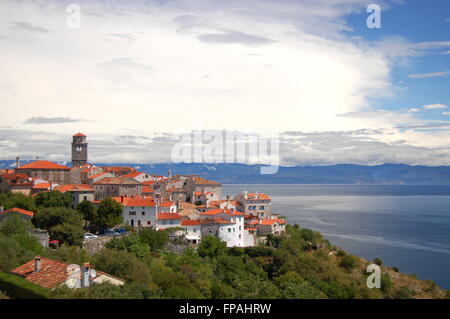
(94, 245)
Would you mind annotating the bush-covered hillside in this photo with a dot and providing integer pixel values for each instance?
(299, 264)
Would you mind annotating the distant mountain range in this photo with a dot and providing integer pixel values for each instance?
(335, 174)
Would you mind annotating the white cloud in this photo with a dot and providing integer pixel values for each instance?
(139, 67)
(414, 110)
(429, 75)
(446, 113)
(435, 106)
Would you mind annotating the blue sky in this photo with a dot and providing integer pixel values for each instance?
(133, 74)
(414, 21)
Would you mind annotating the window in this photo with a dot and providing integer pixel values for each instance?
(143, 213)
(240, 229)
(194, 230)
(148, 222)
(84, 197)
(132, 213)
(229, 230)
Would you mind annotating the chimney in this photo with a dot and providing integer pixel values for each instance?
(121, 199)
(51, 186)
(169, 173)
(17, 162)
(260, 221)
(37, 264)
(228, 198)
(85, 275)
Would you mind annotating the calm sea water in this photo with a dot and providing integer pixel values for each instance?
(407, 226)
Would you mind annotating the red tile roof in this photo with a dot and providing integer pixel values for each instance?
(116, 181)
(257, 196)
(201, 181)
(15, 176)
(97, 175)
(41, 186)
(267, 222)
(165, 216)
(52, 274)
(43, 165)
(220, 211)
(79, 134)
(74, 188)
(18, 210)
(190, 222)
(147, 189)
(217, 203)
(132, 174)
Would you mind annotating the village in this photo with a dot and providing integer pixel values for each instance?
(191, 205)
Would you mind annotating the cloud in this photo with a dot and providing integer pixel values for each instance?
(365, 147)
(446, 52)
(446, 113)
(414, 110)
(30, 27)
(126, 36)
(435, 106)
(50, 120)
(428, 75)
(234, 37)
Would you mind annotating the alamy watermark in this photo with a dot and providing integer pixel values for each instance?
(223, 146)
(374, 279)
(73, 20)
(374, 20)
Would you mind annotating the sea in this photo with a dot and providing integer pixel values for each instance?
(407, 226)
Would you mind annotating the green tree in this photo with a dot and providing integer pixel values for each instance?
(68, 233)
(47, 218)
(12, 254)
(19, 200)
(109, 214)
(131, 243)
(348, 262)
(293, 286)
(54, 199)
(15, 225)
(63, 224)
(211, 247)
(88, 210)
(154, 238)
(122, 264)
(105, 291)
(68, 254)
(378, 261)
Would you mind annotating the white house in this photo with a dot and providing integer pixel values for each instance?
(139, 176)
(141, 212)
(229, 226)
(167, 220)
(193, 230)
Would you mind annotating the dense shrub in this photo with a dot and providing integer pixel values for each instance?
(17, 287)
(348, 262)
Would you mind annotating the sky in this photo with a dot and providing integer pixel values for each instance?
(131, 75)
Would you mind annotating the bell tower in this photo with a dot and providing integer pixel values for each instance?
(79, 150)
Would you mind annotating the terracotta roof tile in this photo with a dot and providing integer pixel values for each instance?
(190, 222)
(18, 210)
(165, 216)
(43, 165)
